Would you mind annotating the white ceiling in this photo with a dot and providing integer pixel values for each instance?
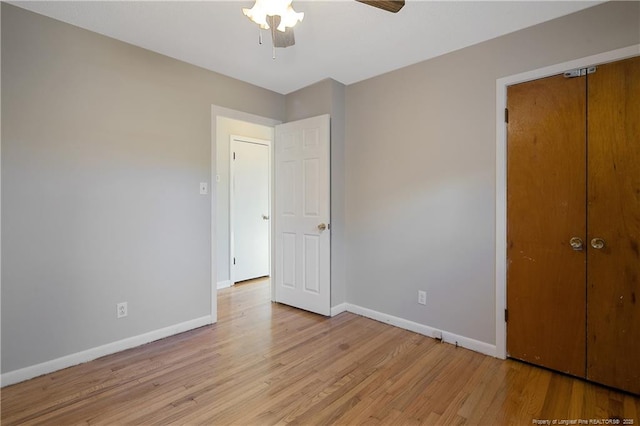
(340, 39)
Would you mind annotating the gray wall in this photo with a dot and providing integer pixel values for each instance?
(328, 97)
(103, 147)
(420, 170)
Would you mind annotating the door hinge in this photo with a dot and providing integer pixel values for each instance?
(579, 72)
(506, 115)
(234, 260)
(506, 315)
(234, 155)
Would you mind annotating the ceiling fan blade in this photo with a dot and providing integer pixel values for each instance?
(393, 6)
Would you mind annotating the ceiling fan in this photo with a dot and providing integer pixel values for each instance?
(280, 18)
(392, 6)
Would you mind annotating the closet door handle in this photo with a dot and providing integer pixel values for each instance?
(576, 243)
(597, 243)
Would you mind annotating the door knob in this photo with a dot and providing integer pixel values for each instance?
(265, 217)
(597, 243)
(322, 227)
(576, 243)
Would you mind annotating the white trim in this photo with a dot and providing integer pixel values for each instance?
(224, 284)
(30, 372)
(501, 171)
(232, 171)
(454, 339)
(214, 203)
(335, 310)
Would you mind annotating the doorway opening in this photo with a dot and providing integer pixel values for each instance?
(229, 132)
(225, 123)
(301, 277)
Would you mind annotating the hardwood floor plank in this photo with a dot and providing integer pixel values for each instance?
(265, 364)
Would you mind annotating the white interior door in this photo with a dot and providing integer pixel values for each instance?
(250, 208)
(303, 237)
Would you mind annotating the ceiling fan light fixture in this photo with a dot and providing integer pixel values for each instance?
(263, 8)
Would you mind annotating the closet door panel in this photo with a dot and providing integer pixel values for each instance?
(546, 186)
(613, 300)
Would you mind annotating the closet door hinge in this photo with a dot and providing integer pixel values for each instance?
(506, 115)
(506, 315)
(579, 72)
(234, 155)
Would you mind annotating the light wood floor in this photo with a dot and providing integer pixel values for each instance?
(264, 363)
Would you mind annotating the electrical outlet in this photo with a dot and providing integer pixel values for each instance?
(422, 297)
(121, 310)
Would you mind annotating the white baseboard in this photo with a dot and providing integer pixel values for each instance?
(338, 309)
(224, 284)
(27, 373)
(465, 342)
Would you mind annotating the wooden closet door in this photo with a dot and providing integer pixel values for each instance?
(546, 201)
(613, 301)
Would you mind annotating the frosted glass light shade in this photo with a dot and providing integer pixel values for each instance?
(263, 8)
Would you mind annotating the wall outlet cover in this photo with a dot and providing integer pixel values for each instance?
(204, 188)
(122, 310)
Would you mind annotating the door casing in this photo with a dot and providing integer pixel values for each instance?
(501, 175)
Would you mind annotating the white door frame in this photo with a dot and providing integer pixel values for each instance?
(501, 170)
(219, 111)
(232, 200)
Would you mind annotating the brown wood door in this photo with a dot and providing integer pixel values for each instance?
(546, 201)
(613, 307)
